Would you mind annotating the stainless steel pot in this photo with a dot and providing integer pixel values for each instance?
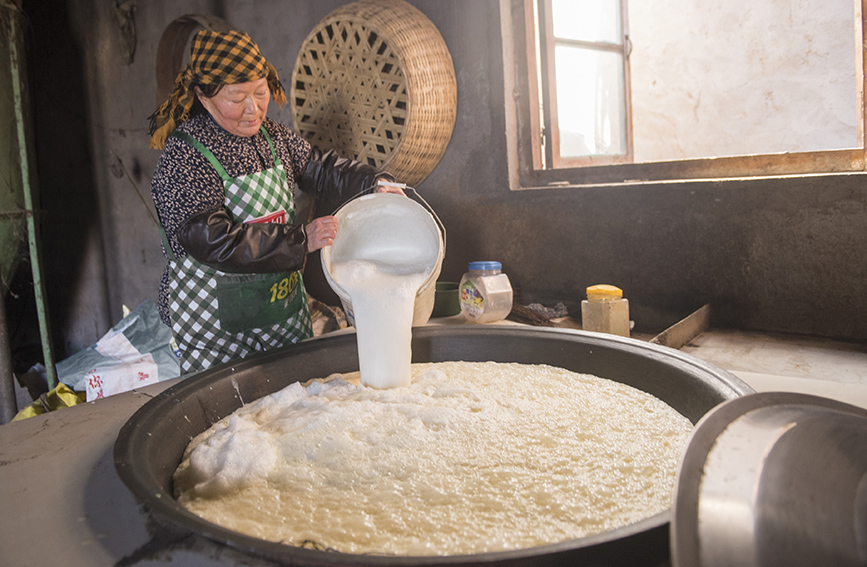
(775, 478)
(151, 444)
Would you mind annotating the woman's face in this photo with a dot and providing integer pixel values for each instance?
(239, 108)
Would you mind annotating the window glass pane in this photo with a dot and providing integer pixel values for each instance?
(714, 79)
(587, 20)
(590, 102)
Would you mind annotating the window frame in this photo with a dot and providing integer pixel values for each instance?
(546, 44)
(523, 125)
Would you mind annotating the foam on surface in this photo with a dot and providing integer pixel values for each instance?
(470, 458)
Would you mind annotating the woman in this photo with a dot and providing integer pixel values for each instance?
(223, 192)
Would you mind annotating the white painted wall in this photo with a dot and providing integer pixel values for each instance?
(742, 77)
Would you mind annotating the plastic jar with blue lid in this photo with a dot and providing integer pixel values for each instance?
(485, 293)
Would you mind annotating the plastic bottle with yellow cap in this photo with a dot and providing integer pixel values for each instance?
(605, 310)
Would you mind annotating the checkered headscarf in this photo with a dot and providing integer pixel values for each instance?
(215, 58)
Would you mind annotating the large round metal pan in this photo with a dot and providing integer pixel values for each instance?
(151, 444)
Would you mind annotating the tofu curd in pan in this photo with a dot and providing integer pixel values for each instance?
(469, 458)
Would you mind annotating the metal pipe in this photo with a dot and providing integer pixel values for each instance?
(27, 187)
(8, 403)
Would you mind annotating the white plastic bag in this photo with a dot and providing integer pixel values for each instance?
(134, 353)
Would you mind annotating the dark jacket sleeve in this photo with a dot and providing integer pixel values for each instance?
(213, 239)
(329, 176)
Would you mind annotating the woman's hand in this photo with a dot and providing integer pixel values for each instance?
(321, 232)
(386, 186)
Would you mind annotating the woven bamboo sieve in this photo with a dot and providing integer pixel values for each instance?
(375, 81)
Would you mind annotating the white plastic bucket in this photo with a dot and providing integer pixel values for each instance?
(392, 229)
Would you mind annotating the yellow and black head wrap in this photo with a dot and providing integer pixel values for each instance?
(215, 58)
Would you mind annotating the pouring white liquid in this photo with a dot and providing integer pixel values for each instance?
(383, 297)
(386, 250)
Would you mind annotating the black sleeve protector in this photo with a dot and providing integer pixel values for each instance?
(215, 240)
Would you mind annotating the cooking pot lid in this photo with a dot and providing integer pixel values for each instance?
(773, 479)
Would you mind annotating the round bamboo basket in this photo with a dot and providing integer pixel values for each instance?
(375, 81)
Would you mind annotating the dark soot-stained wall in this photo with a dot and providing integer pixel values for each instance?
(781, 255)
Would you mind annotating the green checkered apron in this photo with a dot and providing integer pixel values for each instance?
(217, 316)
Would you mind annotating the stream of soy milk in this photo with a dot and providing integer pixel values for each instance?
(383, 298)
